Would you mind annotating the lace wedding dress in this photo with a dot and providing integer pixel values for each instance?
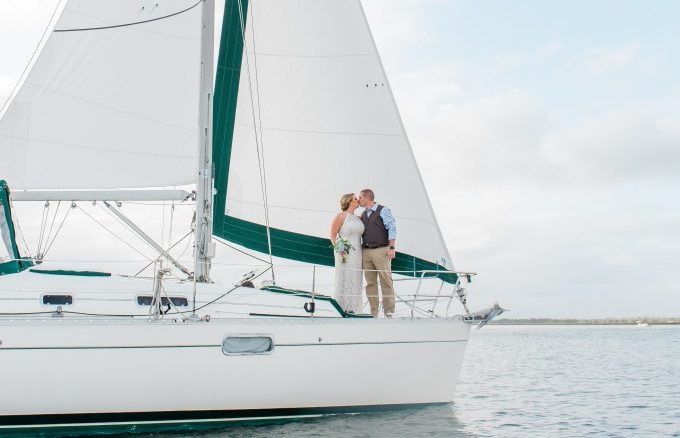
(348, 274)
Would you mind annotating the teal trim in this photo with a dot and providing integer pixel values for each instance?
(18, 264)
(300, 293)
(73, 273)
(13, 266)
(224, 103)
(285, 244)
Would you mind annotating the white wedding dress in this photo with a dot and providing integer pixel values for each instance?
(348, 274)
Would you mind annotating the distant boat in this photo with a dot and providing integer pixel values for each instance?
(643, 324)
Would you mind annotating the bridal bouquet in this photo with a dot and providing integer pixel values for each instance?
(342, 247)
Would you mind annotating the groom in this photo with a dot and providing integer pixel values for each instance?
(378, 242)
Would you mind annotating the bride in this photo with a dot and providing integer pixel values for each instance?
(348, 273)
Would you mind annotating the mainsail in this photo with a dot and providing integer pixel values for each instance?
(111, 101)
(303, 113)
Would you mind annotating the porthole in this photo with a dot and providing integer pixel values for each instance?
(243, 345)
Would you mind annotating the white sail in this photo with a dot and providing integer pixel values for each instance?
(316, 114)
(111, 101)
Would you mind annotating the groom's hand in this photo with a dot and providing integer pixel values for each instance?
(391, 253)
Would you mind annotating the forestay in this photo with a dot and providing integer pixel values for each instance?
(304, 109)
(111, 101)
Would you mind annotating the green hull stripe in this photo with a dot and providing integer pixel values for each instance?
(73, 273)
(285, 244)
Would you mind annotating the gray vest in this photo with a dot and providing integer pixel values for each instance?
(375, 233)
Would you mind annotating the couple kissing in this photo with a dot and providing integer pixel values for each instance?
(364, 244)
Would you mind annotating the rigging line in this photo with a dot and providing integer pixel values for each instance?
(49, 233)
(243, 252)
(172, 218)
(257, 143)
(259, 118)
(127, 227)
(18, 224)
(154, 260)
(230, 290)
(114, 234)
(132, 23)
(49, 244)
(43, 224)
(30, 61)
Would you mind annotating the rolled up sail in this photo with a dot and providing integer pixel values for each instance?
(303, 114)
(110, 102)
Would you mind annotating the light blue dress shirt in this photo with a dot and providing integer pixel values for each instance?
(388, 219)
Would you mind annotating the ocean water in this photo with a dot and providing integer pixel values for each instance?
(529, 381)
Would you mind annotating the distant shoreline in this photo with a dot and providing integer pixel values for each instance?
(608, 321)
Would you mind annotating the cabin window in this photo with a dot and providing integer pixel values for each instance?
(60, 300)
(246, 345)
(145, 300)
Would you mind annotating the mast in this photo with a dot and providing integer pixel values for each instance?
(204, 248)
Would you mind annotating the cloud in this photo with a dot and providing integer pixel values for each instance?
(599, 61)
(397, 21)
(620, 147)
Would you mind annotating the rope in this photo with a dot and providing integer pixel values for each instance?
(242, 252)
(154, 260)
(49, 233)
(132, 23)
(114, 234)
(43, 224)
(18, 224)
(260, 151)
(30, 61)
(49, 245)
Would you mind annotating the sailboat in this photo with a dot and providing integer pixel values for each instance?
(124, 103)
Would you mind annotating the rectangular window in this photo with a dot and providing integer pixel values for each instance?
(60, 300)
(145, 300)
(246, 345)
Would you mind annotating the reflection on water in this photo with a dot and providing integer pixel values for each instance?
(435, 421)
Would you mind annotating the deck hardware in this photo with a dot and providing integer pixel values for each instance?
(59, 313)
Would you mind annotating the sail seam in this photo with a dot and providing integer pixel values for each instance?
(135, 23)
(80, 146)
(290, 55)
(309, 131)
(110, 108)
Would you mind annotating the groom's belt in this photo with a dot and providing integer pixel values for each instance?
(375, 246)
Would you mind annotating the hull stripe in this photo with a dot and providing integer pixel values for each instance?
(319, 344)
(168, 417)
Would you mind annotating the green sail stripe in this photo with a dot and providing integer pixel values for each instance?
(285, 244)
(312, 249)
(224, 104)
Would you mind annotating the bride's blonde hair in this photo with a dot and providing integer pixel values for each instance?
(345, 200)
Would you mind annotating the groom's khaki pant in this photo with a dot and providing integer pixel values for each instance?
(376, 264)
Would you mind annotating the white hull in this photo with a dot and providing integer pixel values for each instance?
(78, 370)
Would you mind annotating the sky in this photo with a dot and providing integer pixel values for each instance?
(547, 133)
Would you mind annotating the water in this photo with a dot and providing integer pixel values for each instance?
(522, 381)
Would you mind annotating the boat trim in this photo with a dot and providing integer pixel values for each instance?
(149, 347)
(169, 417)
